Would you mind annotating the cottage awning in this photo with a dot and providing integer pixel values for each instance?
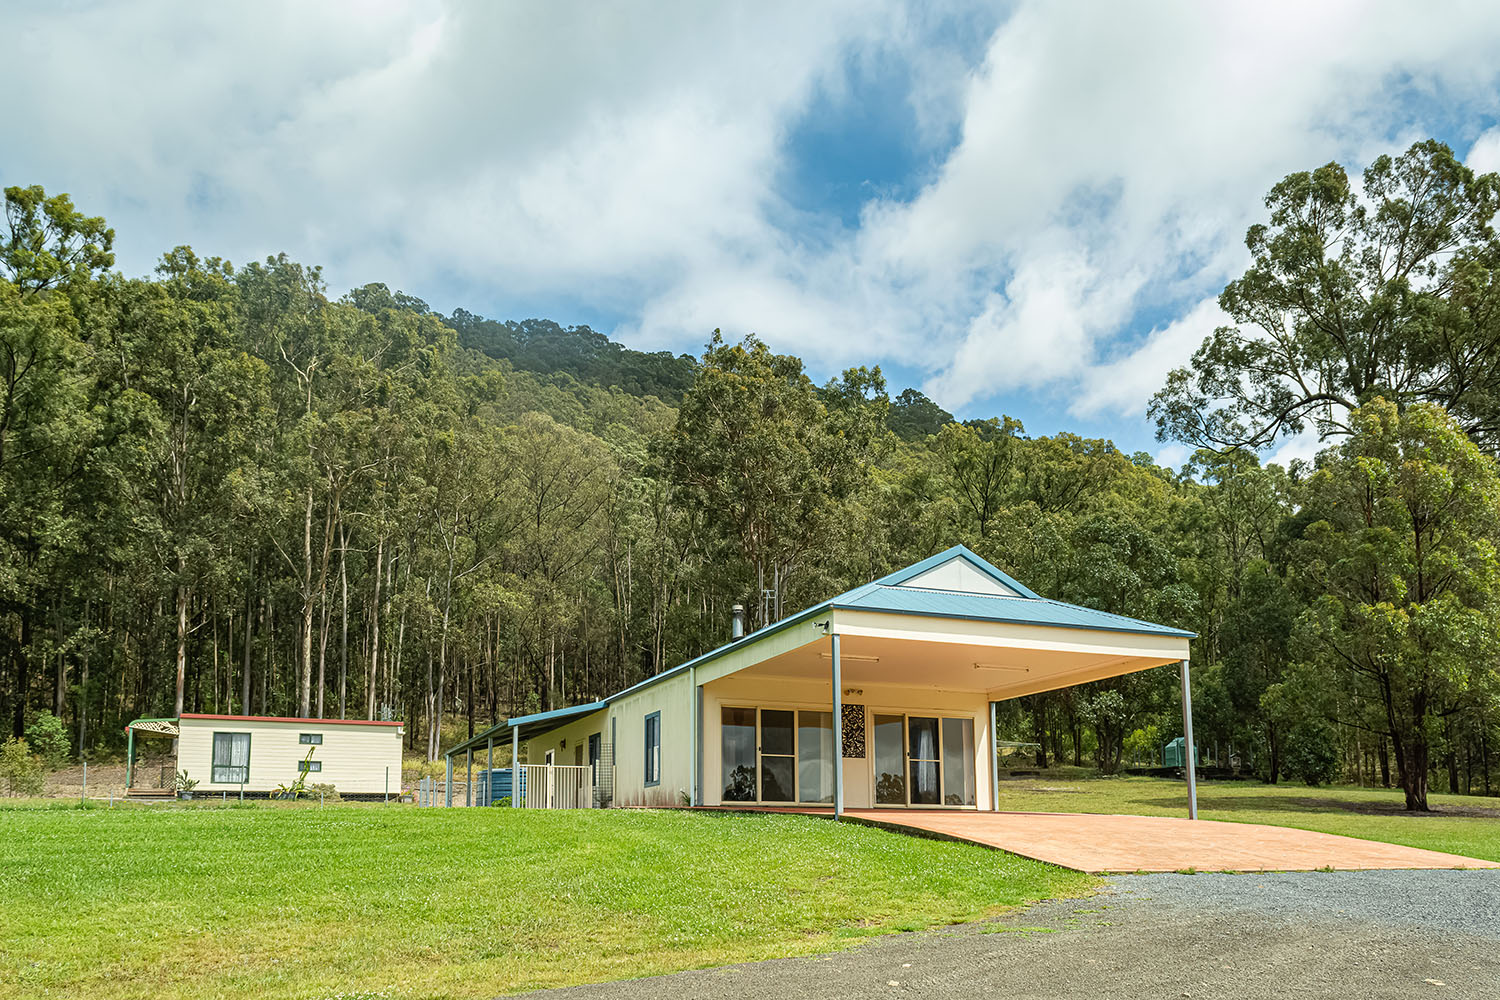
(159, 727)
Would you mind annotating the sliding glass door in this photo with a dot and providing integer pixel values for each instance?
(738, 754)
(776, 755)
(924, 760)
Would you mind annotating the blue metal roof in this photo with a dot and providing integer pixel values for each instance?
(557, 713)
(994, 608)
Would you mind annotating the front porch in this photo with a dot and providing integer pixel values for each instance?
(1102, 843)
(909, 700)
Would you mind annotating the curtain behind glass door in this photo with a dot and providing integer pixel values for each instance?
(924, 761)
(958, 762)
(815, 759)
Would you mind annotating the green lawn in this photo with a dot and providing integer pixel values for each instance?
(1461, 824)
(266, 900)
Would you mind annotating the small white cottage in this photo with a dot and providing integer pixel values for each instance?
(257, 754)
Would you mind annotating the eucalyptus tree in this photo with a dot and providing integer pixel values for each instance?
(1401, 575)
(50, 255)
(1389, 287)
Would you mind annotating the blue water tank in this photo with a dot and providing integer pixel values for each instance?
(492, 786)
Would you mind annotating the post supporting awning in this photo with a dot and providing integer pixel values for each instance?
(838, 731)
(1187, 734)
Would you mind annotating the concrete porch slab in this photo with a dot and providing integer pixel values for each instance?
(1111, 843)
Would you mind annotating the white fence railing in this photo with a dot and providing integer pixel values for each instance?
(559, 786)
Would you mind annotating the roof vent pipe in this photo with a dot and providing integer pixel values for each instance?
(737, 624)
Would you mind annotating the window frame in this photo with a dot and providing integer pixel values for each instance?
(213, 767)
(310, 766)
(310, 739)
(651, 774)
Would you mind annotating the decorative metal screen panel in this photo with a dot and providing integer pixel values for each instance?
(854, 732)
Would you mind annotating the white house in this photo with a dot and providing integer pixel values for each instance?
(900, 675)
(257, 754)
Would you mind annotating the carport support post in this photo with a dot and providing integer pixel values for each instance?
(515, 767)
(489, 771)
(994, 761)
(469, 777)
(1187, 733)
(130, 756)
(695, 735)
(448, 784)
(838, 732)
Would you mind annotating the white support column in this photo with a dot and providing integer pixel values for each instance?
(489, 770)
(1189, 747)
(515, 767)
(994, 762)
(695, 739)
(469, 777)
(838, 732)
(448, 784)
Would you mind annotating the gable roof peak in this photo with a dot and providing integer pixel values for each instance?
(958, 569)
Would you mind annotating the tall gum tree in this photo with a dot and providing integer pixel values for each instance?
(1390, 288)
(1402, 574)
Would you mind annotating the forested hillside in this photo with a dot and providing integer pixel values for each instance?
(222, 490)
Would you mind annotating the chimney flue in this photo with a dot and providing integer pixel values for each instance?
(737, 622)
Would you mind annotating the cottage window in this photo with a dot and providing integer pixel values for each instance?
(653, 748)
(311, 739)
(231, 764)
(309, 765)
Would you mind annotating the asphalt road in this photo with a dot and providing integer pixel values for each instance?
(1313, 934)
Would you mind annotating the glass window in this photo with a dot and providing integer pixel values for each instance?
(653, 748)
(311, 739)
(778, 762)
(737, 742)
(815, 758)
(309, 765)
(923, 754)
(231, 761)
(958, 762)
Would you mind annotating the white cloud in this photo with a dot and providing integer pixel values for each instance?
(1107, 160)
(1484, 155)
(1304, 446)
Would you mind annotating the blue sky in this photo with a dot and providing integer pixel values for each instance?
(1025, 208)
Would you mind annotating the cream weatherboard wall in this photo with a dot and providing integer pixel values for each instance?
(354, 755)
(671, 697)
(569, 742)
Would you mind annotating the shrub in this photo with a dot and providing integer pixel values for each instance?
(20, 769)
(1311, 753)
(49, 740)
(503, 800)
(323, 791)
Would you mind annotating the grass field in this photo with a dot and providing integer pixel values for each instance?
(297, 901)
(1461, 824)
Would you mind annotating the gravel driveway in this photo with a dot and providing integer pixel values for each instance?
(1309, 934)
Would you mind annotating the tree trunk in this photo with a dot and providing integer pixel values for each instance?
(182, 605)
(304, 697)
(1384, 753)
(344, 622)
(374, 631)
(249, 634)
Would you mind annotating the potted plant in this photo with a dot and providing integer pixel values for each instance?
(184, 785)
